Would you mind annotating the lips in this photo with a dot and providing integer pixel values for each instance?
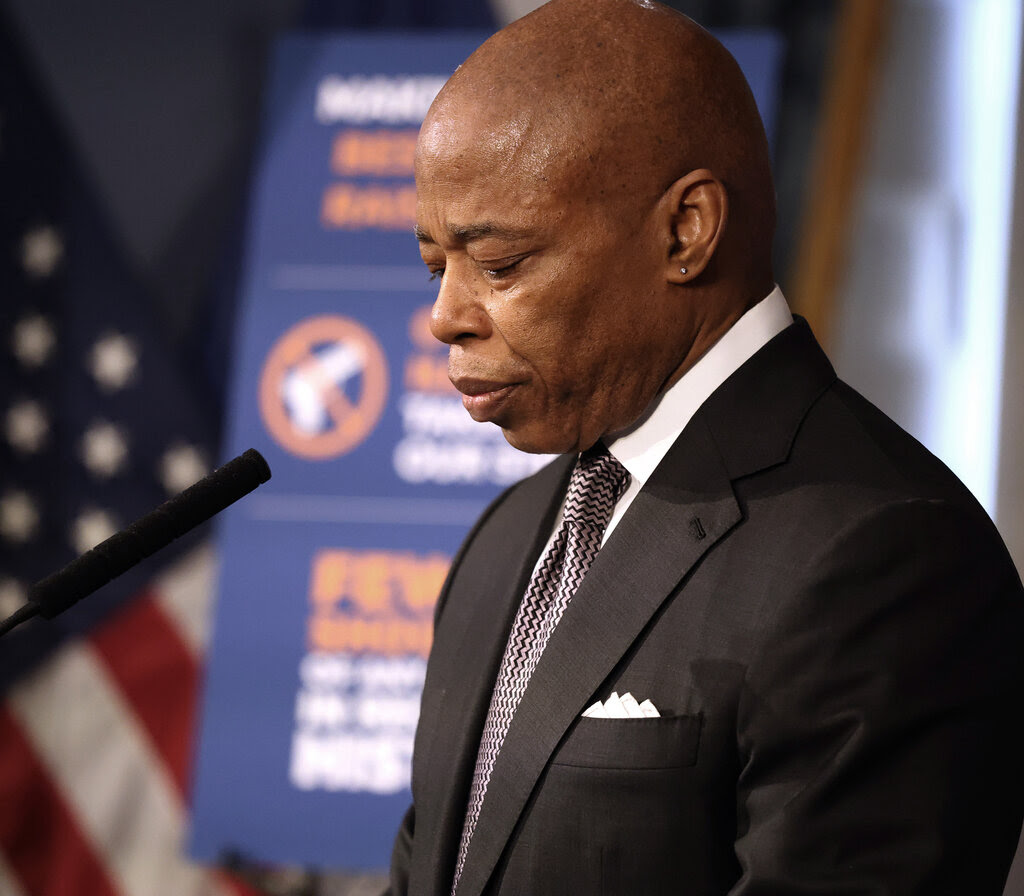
(484, 399)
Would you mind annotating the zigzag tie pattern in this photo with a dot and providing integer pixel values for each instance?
(597, 483)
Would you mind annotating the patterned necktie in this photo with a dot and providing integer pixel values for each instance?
(597, 483)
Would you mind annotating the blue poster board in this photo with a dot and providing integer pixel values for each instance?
(330, 571)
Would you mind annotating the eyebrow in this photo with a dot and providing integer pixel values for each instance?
(468, 234)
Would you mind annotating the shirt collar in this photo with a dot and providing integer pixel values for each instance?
(645, 445)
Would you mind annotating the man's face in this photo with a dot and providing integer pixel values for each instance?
(549, 293)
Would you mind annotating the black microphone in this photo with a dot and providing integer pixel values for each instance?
(145, 536)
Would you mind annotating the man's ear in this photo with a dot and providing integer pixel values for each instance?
(695, 211)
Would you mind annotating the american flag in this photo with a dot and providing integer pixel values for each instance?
(100, 421)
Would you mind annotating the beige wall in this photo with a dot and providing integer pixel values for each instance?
(1010, 499)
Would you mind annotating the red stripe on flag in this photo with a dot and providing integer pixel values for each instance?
(38, 836)
(158, 676)
(238, 887)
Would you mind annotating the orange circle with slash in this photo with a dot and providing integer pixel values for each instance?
(323, 387)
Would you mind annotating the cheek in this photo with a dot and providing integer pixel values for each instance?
(561, 325)
(536, 325)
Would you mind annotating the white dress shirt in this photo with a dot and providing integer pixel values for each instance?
(644, 446)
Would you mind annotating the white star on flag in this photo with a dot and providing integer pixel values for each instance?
(27, 426)
(19, 516)
(41, 251)
(113, 361)
(12, 595)
(91, 527)
(33, 340)
(181, 466)
(104, 449)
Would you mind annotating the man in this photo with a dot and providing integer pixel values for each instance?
(819, 625)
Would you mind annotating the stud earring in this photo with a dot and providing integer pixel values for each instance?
(682, 270)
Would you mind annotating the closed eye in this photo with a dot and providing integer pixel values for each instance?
(504, 270)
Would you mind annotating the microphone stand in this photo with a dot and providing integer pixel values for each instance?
(157, 529)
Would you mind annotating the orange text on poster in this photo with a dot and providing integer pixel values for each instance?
(347, 206)
(373, 153)
(376, 601)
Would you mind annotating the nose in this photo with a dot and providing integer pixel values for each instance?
(458, 315)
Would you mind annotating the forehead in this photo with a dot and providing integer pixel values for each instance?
(465, 138)
(476, 176)
(462, 212)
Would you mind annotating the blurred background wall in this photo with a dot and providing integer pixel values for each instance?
(128, 132)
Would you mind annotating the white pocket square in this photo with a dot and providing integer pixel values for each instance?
(624, 707)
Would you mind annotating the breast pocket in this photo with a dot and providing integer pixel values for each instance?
(666, 742)
(620, 810)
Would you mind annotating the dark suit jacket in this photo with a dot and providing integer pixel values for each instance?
(830, 627)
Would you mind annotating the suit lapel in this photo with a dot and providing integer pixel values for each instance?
(464, 665)
(670, 525)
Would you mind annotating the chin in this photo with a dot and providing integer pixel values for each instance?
(522, 444)
(539, 443)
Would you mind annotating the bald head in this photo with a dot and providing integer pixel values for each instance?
(620, 98)
(593, 189)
